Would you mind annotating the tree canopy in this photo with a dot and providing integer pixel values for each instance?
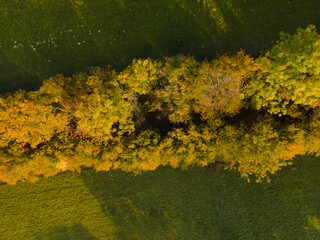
(252, 115)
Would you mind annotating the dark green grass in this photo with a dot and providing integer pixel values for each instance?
(200, 203)
(41, 38)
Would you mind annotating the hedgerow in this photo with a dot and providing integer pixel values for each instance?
(252, 115)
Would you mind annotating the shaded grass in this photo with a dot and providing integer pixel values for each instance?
(42, 38)
(200, 203)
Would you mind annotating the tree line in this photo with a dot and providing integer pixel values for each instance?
(252, 115)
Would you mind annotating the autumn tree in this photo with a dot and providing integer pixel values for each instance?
(26, 119)
(211, 90)
(260, 149)
(96, 105)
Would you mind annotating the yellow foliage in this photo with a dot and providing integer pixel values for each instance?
(26, 120)
(106, 120)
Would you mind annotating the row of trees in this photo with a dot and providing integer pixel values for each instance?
(253, 115)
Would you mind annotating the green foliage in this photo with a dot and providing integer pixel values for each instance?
(191, 147)
(293, 74)
(95, 104)
(142, 152)
(311, 130)
(180, 73)
(141, 76)
(103, 114)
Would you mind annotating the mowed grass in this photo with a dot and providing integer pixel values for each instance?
(200, 203)
(40, 38)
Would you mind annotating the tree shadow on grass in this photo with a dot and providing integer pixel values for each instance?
(164, 204)
(53, 37)
(207, 203)
(76, 232)
(286, 208)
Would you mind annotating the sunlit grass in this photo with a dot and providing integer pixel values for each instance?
(58, 208)
(200, 203)
(315, 222)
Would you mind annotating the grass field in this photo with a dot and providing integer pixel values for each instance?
(200, 203)
(40, 38)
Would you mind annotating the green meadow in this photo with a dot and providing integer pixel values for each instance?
(40, 38)
(198, 203)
